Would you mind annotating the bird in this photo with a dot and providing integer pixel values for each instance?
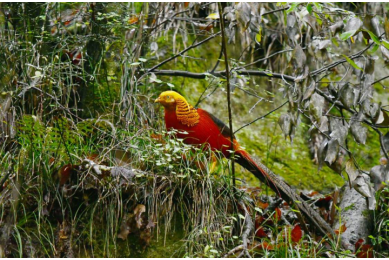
(199, 127)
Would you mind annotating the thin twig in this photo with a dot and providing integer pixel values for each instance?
(182, 52)
(268, 57)
(4, 179)
(194, 75)
(336, 63)
(224, 47)
(380, 80)
(265, 115)
(277, 10)
(382, 143)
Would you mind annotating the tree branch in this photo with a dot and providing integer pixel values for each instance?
(182, 52)
(220, 74)
(227, 72)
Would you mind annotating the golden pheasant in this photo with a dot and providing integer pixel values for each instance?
(198, 127)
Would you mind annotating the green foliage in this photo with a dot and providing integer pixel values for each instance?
(380, 238)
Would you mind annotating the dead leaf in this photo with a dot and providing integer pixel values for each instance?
(139, 209)
(341, 230)
(351, 170)
(296, 233)
(261, 232)
(64, 173)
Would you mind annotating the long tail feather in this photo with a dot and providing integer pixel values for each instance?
(281, 188)
(245, 160)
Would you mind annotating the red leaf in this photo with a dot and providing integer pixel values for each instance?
(296, 233)
(366, 252)
(313, 193)
(64, 173)
(358, 244)
(92, 157)
(264, 246)
(277, 214)
(262, 205)
(324, 202)
(261, 232)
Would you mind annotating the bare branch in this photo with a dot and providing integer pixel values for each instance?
(182, 52)
(182, 73)
(265, 115)
(227, 72)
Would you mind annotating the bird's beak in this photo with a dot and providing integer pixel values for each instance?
(158, 100)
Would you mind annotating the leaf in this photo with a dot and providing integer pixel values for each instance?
(133, 20)
(170, 85)
(65, 172)
(382, 118)
(318, 6)
(385, 50)
(332, 151)
(347, 95)
(138, 211)
(362, 186)
(258, 36)
(243, 14)
(262, 205)
(324, 44)
(213, 16)
(263, 246)
(296, 233)
(286, 122)
(385, 43)
(339, 130)
(353, 24)
(341, 230)
(335, 42)
(336, 27)
(351, 170)
(309, 91)
(291, 29)
(344, 36)
(357, 130)
(299, 58)
(359, 243)
(277, 214)
(309, 8)
(373, 37)
(316, 106)
(374, 49)
(363, 250)
(292, 7)
(352, 63)
(153, 46)
(261, 233)
(377, 174)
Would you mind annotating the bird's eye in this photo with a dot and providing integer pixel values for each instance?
(167, 96)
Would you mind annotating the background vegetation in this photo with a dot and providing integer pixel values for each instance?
(87, 168)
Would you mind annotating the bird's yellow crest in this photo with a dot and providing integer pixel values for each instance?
(186, 114)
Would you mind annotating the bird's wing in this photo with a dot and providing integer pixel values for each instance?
(224, 129)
